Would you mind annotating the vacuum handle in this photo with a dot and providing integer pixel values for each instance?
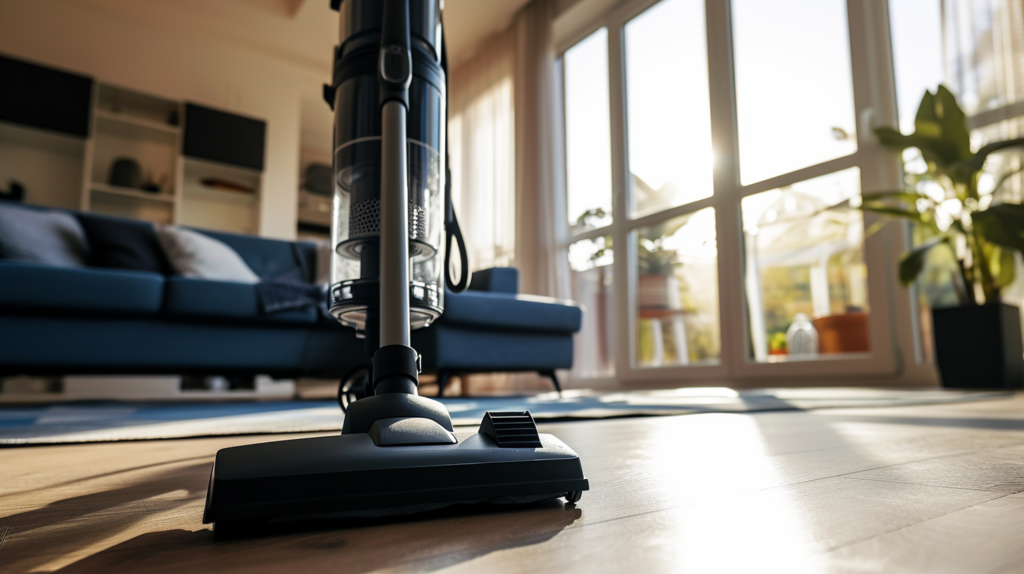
(451, 222)
(395, 60)
(452, 231)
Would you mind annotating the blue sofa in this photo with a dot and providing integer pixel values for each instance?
(56, 320)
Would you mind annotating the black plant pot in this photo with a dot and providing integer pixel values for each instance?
(979, 347)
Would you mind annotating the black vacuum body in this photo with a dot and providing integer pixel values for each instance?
(398, 452)
(355, 96)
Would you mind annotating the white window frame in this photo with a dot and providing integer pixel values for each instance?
(895, 354)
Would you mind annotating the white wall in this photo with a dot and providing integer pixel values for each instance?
(182, 64)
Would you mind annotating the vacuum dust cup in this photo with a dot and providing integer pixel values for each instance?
(356, 229)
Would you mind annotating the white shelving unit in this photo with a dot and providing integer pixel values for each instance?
(147, 129)
(73, 173)
(219, 208)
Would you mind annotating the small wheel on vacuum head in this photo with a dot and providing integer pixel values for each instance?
(225, 529)
(354, 386)
(574, 496)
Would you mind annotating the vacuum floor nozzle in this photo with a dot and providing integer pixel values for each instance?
(349, 475)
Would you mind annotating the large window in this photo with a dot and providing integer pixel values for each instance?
(714, 163)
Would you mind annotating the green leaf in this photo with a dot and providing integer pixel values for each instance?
(893, 139)
(978, 161)
(1007, 267)
(909, 197)
(890, 211)
(912, 262)
(954, 122)
(927, 120)
(940, 131)
(1002, 224)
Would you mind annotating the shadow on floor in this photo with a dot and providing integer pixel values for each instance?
(426, 543)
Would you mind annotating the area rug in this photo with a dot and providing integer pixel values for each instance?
(114, 421)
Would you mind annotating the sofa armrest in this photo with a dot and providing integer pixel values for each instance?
(496, 280)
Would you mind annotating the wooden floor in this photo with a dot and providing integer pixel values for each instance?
(913, 489)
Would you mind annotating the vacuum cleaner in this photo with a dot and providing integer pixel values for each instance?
(398, 452)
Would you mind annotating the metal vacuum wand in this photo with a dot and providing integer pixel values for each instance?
(395, 76)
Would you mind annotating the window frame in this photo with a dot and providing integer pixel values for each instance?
(894, 339)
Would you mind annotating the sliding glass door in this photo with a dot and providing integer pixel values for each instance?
(715, 154)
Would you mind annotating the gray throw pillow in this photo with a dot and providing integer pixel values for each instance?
(40, 236)
(202, 257)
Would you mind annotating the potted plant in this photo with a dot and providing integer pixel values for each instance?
(978, 343)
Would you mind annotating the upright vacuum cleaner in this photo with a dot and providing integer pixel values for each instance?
(397, 452)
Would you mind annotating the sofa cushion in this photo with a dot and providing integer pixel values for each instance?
(25, 286)
(467, 349)
(200, 256)
(496, 280)
(119, 243)
(41, 236)
(203, 298)
(269, 258)
(516, 312)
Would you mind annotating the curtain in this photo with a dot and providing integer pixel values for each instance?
(503, 137)
(543, 268)
(481, 139)
(502, 134)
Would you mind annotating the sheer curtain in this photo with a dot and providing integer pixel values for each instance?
(502, 135)
(481, 144)
(502, 141)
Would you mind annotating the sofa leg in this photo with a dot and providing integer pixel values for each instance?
(554, 379)
(442, 381)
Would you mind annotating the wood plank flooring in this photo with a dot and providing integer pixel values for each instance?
(910, 489)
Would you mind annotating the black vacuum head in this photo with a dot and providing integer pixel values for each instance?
(350, 476)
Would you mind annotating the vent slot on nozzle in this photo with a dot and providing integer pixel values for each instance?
(511, 429)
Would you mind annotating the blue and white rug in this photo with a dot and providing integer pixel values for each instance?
(114, 421)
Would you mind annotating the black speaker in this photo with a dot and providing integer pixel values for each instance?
(224, 137)
(45, 98)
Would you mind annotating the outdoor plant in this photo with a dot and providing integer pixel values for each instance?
(947, 205)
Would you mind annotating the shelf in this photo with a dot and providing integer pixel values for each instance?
(196, 169)
(195, 189)
(129, 192)
(119, 101)
(137, 121)
(111, 125)
(51, 141)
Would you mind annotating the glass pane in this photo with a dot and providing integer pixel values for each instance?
(916, 27)
(975, 47)
(805, 278)
(590, 263)
(794, 89)
(587, 136)
(670, 155)
(677, 292)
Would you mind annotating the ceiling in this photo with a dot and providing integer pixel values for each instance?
(300, 31)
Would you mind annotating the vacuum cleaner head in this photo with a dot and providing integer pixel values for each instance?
(382, 473)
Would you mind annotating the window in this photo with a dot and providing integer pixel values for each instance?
(794, 86)
(670, 156)
(715, 145)
(588, 143)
